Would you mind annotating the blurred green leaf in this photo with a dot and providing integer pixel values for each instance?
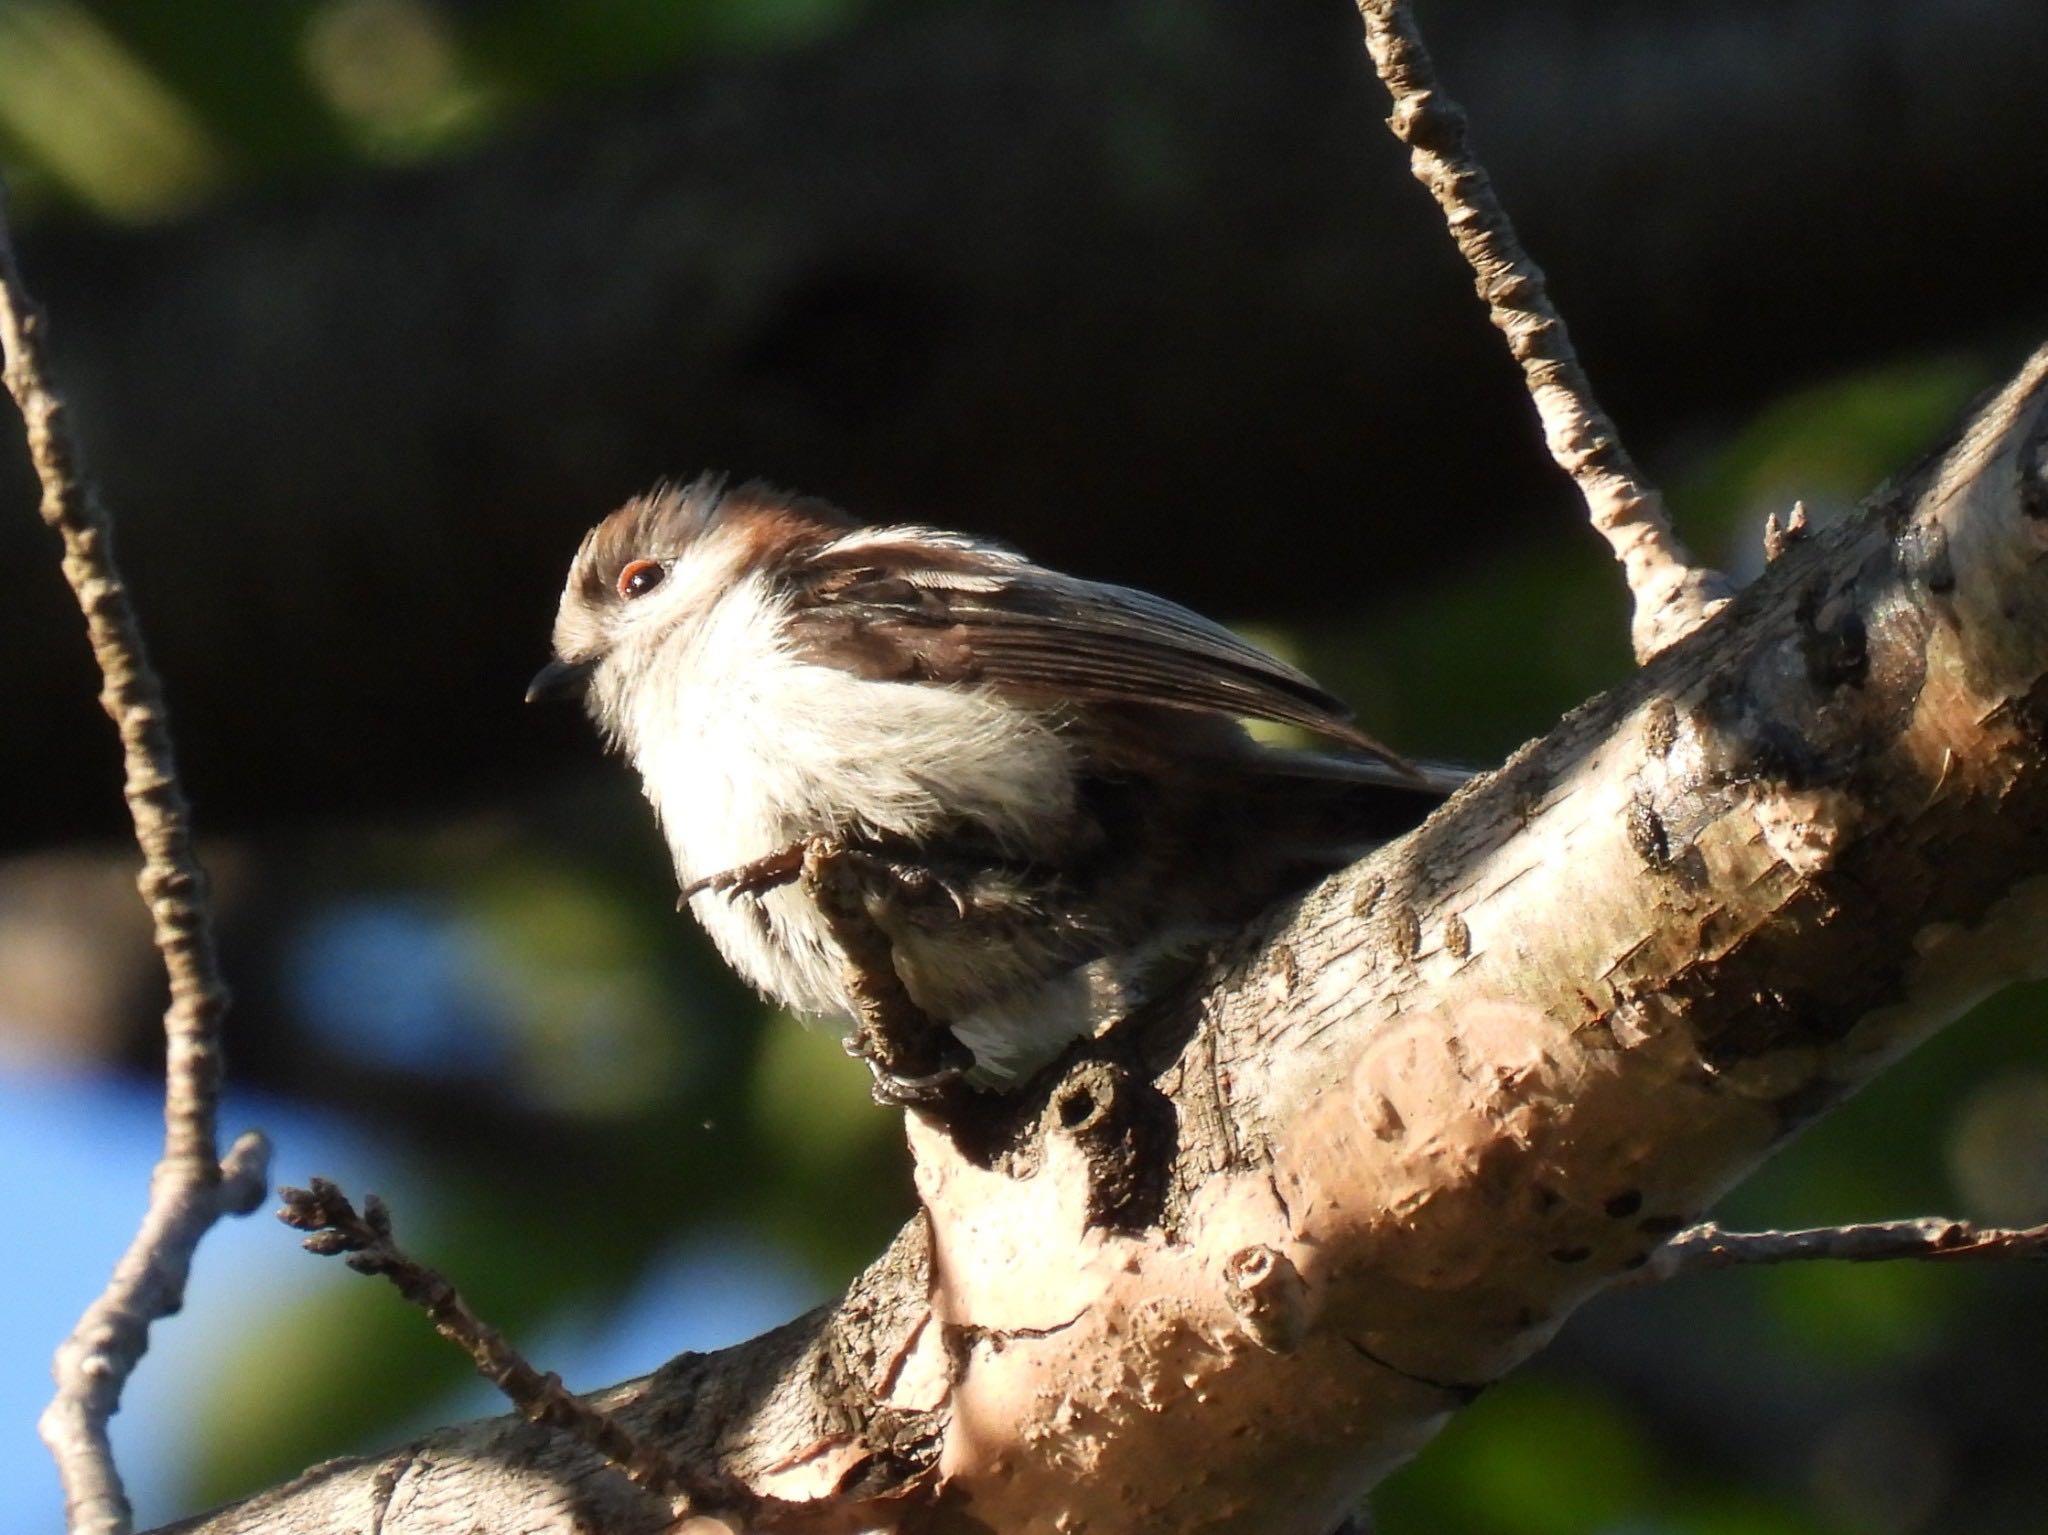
(1471, 671)
(331, 1372)
(815, 1095)
(395, 75)
(239, 67)
(1533, 1457)
(1862, 1313)
(1831, 445)
(96, 118)
(136, 109)
(540, 48)
(836, 1155)
(1731, 1512)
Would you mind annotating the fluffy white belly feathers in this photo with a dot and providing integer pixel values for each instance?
(757, 749)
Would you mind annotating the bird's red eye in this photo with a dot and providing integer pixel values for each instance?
(640, 577)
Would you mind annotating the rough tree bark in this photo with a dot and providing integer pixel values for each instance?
(1242, 1257)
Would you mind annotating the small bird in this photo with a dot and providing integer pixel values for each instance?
(1043, 781)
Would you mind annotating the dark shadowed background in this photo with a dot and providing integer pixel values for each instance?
(369, 307)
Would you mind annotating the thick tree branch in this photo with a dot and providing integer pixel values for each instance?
(191, 1187)
(1243, 1259)
(1673, 593)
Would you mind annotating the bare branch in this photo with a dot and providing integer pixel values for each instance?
(1673, 594)
(191, 1187)
(336, 1227)
(1706, 1246)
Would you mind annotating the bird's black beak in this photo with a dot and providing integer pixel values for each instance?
(559, 679)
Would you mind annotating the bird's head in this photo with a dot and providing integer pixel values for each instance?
(658, 565)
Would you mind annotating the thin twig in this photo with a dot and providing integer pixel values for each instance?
(191, 1187)
(1673, 594)
(336, 1227)
(1704, 1247)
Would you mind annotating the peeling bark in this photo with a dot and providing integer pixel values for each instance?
(1408, 1125)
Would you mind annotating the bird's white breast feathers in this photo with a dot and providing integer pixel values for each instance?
(758, 749)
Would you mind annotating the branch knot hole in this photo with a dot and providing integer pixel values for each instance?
(1077, 1106)
(1125, 1130)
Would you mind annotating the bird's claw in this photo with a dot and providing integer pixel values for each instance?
(919, 880)
(756, 878)
(900, 1090)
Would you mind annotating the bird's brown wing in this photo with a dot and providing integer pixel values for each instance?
(933, 608)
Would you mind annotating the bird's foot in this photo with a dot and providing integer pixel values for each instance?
(915, 1059)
